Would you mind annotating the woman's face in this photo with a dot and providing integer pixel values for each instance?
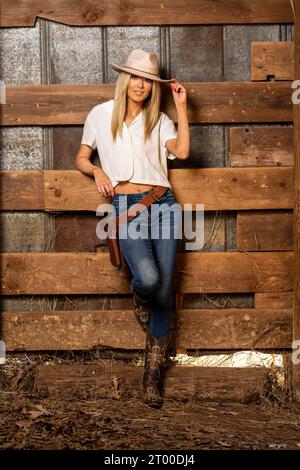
(139, 88)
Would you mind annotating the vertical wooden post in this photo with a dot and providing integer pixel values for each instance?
(296, 228)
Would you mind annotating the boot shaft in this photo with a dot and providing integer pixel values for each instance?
(155, 357)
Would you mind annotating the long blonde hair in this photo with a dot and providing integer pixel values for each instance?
(150, 109)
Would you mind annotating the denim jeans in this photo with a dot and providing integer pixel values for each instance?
(151, 257)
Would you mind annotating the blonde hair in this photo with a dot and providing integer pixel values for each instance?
(150, 109)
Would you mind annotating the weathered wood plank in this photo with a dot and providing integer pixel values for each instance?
(261, 146)
(215, 102)
(296, 225)
(232, 328)
(51, 104)
(216, 188)
(202, 383)
(61, 191)
(22, 190)
(255, 231)
(77, 232)
(278, 300)
(244, 272)
(221, 189)
(92, 273)
(118, 12)
(272, 59)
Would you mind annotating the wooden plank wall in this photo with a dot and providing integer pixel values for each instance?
(89, 12)
(258, 184)
(210, 103)
(296, 225)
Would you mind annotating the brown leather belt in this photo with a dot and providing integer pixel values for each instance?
(154, 195)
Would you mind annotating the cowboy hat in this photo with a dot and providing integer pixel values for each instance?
(143, 64)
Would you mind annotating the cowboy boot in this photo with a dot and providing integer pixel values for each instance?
(141, 309)
(155, 360)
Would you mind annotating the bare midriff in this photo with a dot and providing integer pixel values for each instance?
(125, 187)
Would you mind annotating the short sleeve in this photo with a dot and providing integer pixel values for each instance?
(167, 131)
(89, 134)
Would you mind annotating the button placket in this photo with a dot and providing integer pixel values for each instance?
(131, 152)
(128, 139)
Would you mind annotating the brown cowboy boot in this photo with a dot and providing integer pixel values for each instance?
(141, 309)
(155, 360)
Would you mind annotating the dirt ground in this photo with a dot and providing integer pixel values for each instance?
(31, 422)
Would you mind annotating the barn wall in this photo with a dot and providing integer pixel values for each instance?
(55, 53)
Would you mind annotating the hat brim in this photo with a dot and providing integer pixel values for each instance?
(139, 73)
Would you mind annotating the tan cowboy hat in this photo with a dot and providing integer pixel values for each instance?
(143, 64)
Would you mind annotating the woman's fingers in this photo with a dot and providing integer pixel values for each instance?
(105, 189)
(104, 186)
(178, 88)
(101, 189)
(111, 189)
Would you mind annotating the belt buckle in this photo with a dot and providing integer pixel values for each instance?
(153, 195)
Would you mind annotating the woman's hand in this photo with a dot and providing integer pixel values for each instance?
(179, 93)
(103, 183)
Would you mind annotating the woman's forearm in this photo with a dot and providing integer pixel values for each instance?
(183, 132)
(84, 165)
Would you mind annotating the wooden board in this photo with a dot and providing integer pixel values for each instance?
(77, 232)
(216, 188)
(213, 102)
(261, 146)
(92, 273)
(276, 300)
(202, 383)
(255, 231)
(136, 12)
(296, 225)
(272, 60)
(232, 328)
(22, 190)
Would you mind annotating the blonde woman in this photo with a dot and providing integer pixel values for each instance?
(134, 140)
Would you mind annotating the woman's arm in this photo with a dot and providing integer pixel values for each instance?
(180, 146)
(83, 164)
(82, 161)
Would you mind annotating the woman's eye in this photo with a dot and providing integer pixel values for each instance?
(136, 77)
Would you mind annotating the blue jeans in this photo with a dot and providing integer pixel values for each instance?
(151, 257)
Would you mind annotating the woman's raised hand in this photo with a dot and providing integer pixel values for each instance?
(103, 183)
(179, 93)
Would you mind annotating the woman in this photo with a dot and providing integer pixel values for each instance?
(130, 136)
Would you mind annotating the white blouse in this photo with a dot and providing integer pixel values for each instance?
(129, 158)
